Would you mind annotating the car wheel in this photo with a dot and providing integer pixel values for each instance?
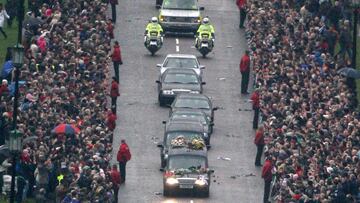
(161, 102)
(206, 193)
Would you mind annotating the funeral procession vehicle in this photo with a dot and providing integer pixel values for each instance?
(185, 61)
(187, 170)
(195, 117)
(180, 16)
(186, 101)
(177, 80)
(186, 129)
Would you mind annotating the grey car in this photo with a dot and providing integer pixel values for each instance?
(187, 171)
(180, 16)
(194, 101)
(185, 61)
(175, 81)
(189, 130)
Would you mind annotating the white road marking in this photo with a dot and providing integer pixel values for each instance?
(177, 41)
(177, 48)
(191, 201)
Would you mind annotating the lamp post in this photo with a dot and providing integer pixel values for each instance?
(15, 136)
(355, 6)
(15, 146)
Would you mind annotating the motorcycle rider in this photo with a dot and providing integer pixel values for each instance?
(205, 27)
(154, 26)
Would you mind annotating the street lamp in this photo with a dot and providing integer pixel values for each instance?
(15, 146)
(355, 5)
(17, 55)
(15, 141)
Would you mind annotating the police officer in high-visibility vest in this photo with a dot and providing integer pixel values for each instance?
(154, 26)
(205, 27)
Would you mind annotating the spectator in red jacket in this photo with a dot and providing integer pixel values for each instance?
(245, 72)
(242, 7)
(116, 181)
(260, 143)
(123, 156)
(255, 99)
(267, 176)
(116, 58)
(111, 119)
(114, 93)
(110, 29)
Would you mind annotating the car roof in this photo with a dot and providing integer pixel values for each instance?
(184, 126)
(188, 111)
(187, 151)
(180, 56)
(193, 96)
(180, 70)
(186, 119)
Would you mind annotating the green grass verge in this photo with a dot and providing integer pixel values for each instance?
(11, 39)
(6, 200)
(12, 33)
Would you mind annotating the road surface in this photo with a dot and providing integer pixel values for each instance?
(140, 117)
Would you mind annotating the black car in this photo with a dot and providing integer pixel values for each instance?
(187, 170)
(194, 114)
(173, 130)
(191, 118)
(177, 80)
(194, 101)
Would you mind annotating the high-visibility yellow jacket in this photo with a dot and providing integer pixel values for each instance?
(206, 28)
(154, 27)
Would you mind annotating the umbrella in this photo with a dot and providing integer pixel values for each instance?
(66, 129)
(7, 68)
(33, 22)
(29, 139)
(349, 72)
(4, 150)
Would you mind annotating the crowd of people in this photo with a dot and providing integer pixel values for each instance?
(65, 79)
(308, 111)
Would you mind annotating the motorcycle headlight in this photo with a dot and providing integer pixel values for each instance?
(170, 92)
(172, 181)
(200, 182)
(195, 92)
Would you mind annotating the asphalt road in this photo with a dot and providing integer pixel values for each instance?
(140, 117)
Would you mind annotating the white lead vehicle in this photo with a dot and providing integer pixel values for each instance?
(180, 16)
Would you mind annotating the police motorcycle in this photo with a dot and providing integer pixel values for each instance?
(205, 43)
(205, 37)
(153, 39)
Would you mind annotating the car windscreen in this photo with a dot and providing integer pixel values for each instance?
(199, 118)
(180, 4)
(187, 135)
(181, 63)
(186, 162)
(181, 78)
(192, 103)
